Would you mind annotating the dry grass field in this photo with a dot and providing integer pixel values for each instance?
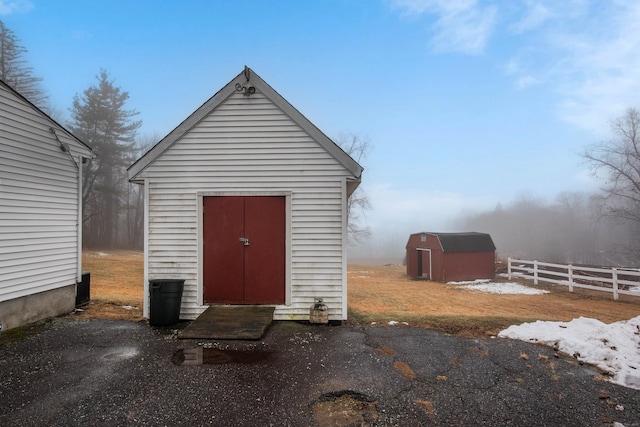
(117, 280)
(380, 294)
(384, 293)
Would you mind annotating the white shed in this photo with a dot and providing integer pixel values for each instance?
(40, 212)
(246, 200)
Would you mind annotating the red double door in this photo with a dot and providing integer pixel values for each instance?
(244, 250)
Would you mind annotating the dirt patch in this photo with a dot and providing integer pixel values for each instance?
(386, 351)
(405, 370)
(427, 406)
(345, 408)
(110, 310)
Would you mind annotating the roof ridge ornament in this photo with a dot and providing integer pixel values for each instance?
(247, 88)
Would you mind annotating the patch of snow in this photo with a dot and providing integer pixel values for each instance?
(469, 282)
(611, 347)
(103, 254)
(634, 289)
(394, 322)
(504, 288)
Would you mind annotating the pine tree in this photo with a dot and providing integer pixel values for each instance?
(98, 117)
(15, 72)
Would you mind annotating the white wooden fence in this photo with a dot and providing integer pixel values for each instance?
(615, 280)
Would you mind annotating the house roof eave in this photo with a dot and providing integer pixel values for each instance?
(81, 146)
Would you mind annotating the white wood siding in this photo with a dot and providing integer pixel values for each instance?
(38, 201)
(249, 145)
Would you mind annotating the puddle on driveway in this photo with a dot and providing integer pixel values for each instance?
(214, 356)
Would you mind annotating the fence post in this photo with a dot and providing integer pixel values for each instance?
(509, 268)
(535, 272)
(570, 277)
(614, 276)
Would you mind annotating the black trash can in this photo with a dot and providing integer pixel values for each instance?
(166, 296)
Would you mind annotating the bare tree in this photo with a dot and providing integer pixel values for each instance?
(356, 146)
(617, 162)
(14, 70)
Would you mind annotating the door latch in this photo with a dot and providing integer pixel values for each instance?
(244, 241)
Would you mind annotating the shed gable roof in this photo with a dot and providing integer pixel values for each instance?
(244, 77)
(463, 242)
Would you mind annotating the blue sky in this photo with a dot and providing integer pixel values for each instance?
(468, 103)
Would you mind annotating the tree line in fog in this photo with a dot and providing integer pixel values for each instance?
(573, 229)
(602, 228)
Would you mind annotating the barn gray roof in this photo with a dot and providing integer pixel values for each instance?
(464, 242)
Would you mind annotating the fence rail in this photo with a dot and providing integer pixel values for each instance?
(618, 281)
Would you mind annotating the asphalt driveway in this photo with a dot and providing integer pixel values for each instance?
(106, 373)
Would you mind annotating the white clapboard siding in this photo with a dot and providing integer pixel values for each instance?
(249, 145)
(38, 200)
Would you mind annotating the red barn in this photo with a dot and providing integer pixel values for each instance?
(446, 257)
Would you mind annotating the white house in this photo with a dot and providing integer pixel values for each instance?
(40, 212)
(246, 200)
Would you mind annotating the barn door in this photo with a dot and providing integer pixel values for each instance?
(424, 264)
(244, 250)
